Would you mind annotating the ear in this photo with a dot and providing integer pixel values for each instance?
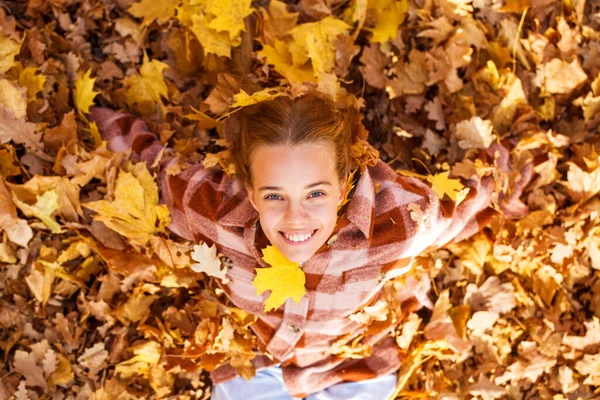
(250, 195)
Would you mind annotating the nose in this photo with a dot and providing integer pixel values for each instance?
(295, 213)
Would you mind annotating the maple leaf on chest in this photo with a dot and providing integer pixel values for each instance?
(284, 279)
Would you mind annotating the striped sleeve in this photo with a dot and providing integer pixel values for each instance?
(413, 217)
(466, 219)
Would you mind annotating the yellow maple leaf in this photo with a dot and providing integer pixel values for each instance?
(442, 185)
(186, 11)
(145, 88)
(389, 14)
(45, 205)
(134, 212)
(9, 49)
(243, 99)
(281, 58)
(314, 40)
(150, 10)
(284, 279)
(211, 40)
(83, 94)
(230, 16)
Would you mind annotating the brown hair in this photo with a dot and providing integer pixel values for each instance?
(289, 122)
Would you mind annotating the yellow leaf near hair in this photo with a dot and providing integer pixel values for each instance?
(284, 279)
(83, 94)
(243, 99)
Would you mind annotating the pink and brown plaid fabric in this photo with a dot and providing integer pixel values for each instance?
(374, 240)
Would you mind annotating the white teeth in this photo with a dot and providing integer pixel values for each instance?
(298, 238)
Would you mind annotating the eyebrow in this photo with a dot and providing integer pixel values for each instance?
(307, 187)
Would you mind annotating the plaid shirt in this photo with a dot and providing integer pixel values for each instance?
(374, 240)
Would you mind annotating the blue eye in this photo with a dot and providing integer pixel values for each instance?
(269, 197)
(316, 193)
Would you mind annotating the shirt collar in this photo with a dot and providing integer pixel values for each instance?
(359, 212)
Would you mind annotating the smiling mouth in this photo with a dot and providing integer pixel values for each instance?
(299, 242)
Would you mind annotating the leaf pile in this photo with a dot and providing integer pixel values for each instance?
(99, 301)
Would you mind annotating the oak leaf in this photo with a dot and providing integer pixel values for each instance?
(560, 77)
(26, 364)
(284, 279)
(208, 262)
(475, 133)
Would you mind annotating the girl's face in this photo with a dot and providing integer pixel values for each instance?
(296, 192)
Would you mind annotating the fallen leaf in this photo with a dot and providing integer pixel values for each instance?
(135, 212)
(43, 209)
(146, 88)
(83, 93)
(284, 279)
(475, 133)
(208, 262)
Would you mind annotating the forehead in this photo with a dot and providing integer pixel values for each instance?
(297, 165)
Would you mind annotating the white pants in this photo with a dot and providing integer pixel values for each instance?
(268, 384)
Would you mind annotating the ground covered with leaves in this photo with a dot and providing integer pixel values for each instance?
(99, 301)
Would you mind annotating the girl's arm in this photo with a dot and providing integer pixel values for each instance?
(195, 185)
(429, 223)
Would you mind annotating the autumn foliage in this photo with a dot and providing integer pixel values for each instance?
(98, 300)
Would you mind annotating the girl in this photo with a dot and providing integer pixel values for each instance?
(292, 160)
